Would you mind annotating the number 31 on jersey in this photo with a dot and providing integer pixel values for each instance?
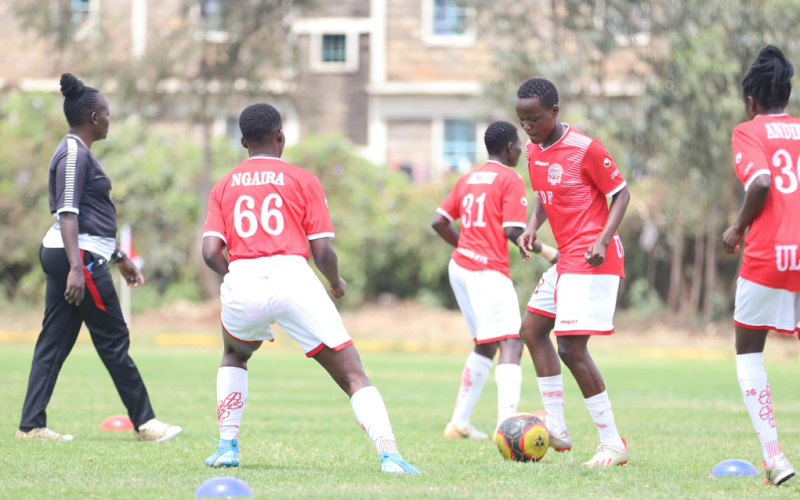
(271, 219)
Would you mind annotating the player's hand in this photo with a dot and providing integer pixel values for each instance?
(129, 271)
(596, 254)
(338, 290)
(75, 287)
(731, 238)
(525, 243)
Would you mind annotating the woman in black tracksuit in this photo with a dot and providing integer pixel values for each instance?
(75, 254)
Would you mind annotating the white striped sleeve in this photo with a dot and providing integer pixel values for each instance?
(216, 235)
(312, 237)
(617, 189)
(523, 225)
(70, 177)
(753, 177)
(448, 216)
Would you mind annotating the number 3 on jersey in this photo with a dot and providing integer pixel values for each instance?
(466, 203)
(271, 219)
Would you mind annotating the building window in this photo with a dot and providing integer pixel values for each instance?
(448, 23)
(334, 52)
(80, 10)
(449, 17)
(333, 48)
(459, 145)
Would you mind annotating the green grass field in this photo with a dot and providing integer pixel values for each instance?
(299, 438)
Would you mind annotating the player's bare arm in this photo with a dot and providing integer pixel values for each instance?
(75, 280)
(328, 264)
(213, 256)
(754, 201)
(513, 234)
(132, 275)
(596, 254)
(527, 239)
(445, 229)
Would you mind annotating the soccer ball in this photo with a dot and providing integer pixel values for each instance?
(523, 438)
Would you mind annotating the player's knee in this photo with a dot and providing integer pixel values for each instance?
(511, 348)
(353, 383)
(566, 353)
(486, 350)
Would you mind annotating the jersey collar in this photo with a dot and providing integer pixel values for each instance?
(79, 139)
(567, 131)
(492, 161)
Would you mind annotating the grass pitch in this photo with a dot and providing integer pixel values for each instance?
(299, 438)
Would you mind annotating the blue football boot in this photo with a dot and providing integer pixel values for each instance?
(393, 463)
(227, 454)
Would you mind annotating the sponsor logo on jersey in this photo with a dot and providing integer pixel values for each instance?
(783, 131)
(541, 163)
(554, 174)
(524, 201)
(615, 174)
(607, 162)
(482, 177)
(738, 158)
(256, 178)
(473, 255)
(569, 321)
(786, 258)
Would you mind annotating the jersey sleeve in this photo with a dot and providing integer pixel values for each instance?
(449, 207)
(317, 219)
(215, 222)
(749, 157)
(515, 204)
(71, 174)
(600, 168)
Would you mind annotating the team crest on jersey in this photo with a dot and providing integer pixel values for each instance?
(554, 174)
(607, 162)
(738, 158)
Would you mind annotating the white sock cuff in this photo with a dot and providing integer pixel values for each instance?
(475, 359)
(365, 393)
(750, 366)
(599, 402)
(233, 373)
(508, 372)
(547, 384)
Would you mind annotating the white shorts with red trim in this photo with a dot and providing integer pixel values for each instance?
(488, 301)
(280, 289)
(762, 308)
(582, 304)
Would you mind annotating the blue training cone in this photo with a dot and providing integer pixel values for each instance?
(223, 487)
(734, 467)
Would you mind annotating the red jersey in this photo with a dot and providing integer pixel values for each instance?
(266, 207)
(770, 145)
(487, 200)
(572, 179)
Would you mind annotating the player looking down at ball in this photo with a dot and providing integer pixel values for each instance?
(267, 212)
(490, 202)
(766, 154)
(573, 177)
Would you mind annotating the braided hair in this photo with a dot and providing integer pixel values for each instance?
(541, 89)
(79, 100)
(768, 81)
(498, 135)
(258, 121)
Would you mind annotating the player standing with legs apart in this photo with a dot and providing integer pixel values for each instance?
(491, 203)
(74, 254)
(267, 212)
(766, 153)
(573, 176)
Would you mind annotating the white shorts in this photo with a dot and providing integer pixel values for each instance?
(762, 308)
(582, 304)
(281, 289)
(488, 301)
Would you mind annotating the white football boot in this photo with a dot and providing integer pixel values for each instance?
(43, 434)
(452, 431)
(155, 431)
(607, 456)
(780, 472)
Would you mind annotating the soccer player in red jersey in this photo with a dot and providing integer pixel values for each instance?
(573, 177)
(766, 154)
(266, 212)
(491, 203)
